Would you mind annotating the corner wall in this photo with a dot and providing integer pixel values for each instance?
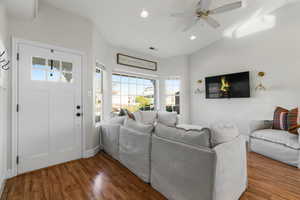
(3, 101)
(275, 51)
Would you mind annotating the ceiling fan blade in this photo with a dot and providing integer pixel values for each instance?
(191, 23)
(226, 8)
(211, 21)
(203, 5)
(183, 15)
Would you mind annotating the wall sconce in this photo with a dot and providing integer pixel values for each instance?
(260, 86)
(198, 90)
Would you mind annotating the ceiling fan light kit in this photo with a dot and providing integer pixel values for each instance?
(203, 12)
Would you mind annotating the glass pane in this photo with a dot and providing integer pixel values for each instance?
(148, 82)
(124, 79)
(116, 78)
(67, 67)
(124, 89)
(39, 63)
(132, 89)
(124, 101)
(67, 77)
(54, 65)
(116, 103)
(53, 76)
(140, 90)
(140, 81)
(132, 80)
(54, 70)
(98, 81)
(38, 75)
(116, 88)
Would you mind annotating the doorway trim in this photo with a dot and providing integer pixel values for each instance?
(15, 95)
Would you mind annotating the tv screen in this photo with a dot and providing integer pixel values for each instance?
(228, 86)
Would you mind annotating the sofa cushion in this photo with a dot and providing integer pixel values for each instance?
(223, 132)
(167, 118)
(138, 126)
(280, 119)
(278, 136)
(198, 138)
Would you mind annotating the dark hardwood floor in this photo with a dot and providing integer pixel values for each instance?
(102, 178)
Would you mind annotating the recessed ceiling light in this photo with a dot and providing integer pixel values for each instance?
(193, 37)
(144, 13)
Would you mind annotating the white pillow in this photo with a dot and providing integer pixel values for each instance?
(137, 116)
(223, 132)
(137, 126)
(167, 118)
(117, 120)
(148, 117)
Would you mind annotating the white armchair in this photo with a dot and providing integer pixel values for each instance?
(276, 144)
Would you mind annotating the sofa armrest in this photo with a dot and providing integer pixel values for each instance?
(231, 170)
(110, 134)
(259, 125)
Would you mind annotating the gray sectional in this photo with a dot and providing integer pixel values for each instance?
(181, 163)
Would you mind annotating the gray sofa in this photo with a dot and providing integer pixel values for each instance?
(276, 144)
(181, 163)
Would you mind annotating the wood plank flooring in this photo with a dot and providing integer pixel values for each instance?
(102, 178)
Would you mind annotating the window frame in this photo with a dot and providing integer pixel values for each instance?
(167, 95)
(102, 69)
(153, 80)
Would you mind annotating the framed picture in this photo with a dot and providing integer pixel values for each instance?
(131, 61)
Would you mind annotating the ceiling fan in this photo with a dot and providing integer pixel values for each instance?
(202, 12)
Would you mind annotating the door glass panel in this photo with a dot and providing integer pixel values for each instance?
(39, 63)
(67, 67)
(54, 73)
(67, 77)
(39, 67)
(38, 75)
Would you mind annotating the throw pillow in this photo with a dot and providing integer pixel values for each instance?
(137, 126)
(293, 121)
(223, 132)
(167, 118)
(280, 119)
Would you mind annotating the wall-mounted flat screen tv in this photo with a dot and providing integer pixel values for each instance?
(228, 86)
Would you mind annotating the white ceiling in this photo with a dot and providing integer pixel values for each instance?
(120, 23)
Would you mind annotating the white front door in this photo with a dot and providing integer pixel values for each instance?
(50, 122)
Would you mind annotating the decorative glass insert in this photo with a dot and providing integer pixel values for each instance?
(51, 70)
(67, 67)
(67, 77)
(54, 71)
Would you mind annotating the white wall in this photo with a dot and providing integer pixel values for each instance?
(177, 66)
(56, 27)
(3, 101)
(275, 51)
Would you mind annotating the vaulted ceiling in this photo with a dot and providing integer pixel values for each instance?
(120, 23)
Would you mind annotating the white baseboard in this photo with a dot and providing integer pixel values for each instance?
(11, 173)
(91, 152)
